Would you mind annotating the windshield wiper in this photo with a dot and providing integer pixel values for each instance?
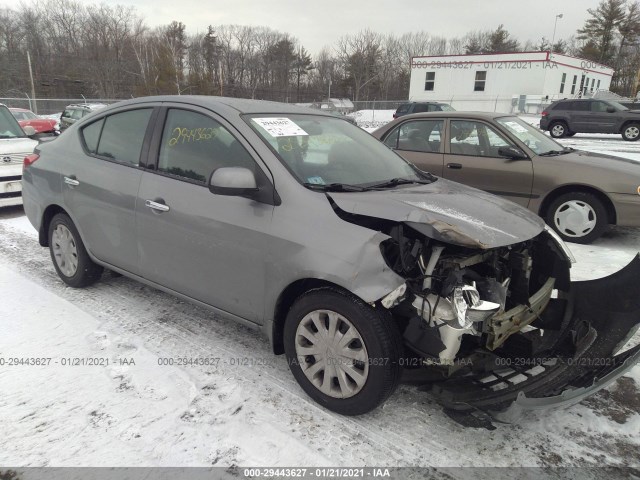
(336, 187)
(399, 181)
(553, 153)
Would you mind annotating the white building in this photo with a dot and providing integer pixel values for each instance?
(505, 82)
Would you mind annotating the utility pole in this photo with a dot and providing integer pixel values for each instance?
(33, 88)
(553, 39)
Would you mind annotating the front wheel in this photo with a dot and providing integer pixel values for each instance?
(631, 132)
(343, 353)
(578, 217)
(70, 257)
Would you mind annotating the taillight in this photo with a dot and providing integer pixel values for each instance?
(30, 160)
(545, 113)
(395, 116)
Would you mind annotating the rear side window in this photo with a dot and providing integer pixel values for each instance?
(91, 135)
(404, 108)
(420, 107)
(123, 134)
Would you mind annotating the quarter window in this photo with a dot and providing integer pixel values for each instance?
(194, 145)
(91, 135)
(122, 136)
(481, 78)
(430, 81)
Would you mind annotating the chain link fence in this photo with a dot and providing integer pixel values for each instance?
(50, 106)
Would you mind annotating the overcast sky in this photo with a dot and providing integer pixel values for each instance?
(322, 22)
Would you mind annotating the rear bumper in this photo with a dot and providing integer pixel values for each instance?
(599, 318)
(544, 123)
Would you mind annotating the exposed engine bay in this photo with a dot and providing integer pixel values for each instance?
(493, 327)
(464, 299)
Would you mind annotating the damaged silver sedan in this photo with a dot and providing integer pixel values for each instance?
(363, 270)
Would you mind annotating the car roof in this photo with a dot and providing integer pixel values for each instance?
(459, 114)
(225, 104)
(88, 106)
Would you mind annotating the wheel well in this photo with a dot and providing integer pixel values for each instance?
(50, 212)
(284, 303)
(606, 201)
(627, 123)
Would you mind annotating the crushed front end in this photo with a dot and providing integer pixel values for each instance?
(493, 331)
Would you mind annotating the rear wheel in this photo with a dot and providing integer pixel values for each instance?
(343, 353)
(631, 132)
(70, 257)
(558, 129)
(578, 217)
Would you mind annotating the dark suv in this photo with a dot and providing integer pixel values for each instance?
(421, 107)
(73, 113)
(565, 118)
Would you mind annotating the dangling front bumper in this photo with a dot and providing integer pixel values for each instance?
(599, 317)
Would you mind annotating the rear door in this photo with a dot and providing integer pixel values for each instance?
(581, 117)
(419, 142)
(209, 247)
(472, 158)
(101, 184)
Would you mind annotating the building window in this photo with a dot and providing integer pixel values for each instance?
(573, 85)
(481, 78)
(598, 85)
(564, 79)
(430, 81)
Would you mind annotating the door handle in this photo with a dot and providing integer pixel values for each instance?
(454, 166)
(158, 206)
(71, 180)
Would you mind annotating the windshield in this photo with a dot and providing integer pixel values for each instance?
(24, 115)
(321, 151)
(529, 135)
(618, 106)
(9, 127)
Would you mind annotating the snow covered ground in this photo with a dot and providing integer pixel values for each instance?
(244, 408)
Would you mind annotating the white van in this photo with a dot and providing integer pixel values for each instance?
(14, 146)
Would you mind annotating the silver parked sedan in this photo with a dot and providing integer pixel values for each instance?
(355, 264)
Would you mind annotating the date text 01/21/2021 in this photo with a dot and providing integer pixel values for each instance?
(466, 65)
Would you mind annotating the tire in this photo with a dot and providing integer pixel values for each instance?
(376, 348)
(578, 217)
(558, 129)
(69, 255)
(631, 132)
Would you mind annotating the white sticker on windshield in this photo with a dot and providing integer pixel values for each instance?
(516, 127)
(280, 127)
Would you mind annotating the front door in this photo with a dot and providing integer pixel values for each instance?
(473, 159)
(209, 247)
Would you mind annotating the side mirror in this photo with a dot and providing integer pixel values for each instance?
(29, 131)
(233, 181)
(611, 110)
(512, 153)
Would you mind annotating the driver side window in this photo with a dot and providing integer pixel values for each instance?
(194, 145)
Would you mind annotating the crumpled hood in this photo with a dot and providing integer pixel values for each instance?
(447, 211)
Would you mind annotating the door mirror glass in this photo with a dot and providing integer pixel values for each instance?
(233, 181)
(512, 153)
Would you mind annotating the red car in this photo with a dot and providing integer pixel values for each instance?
(27, 117)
